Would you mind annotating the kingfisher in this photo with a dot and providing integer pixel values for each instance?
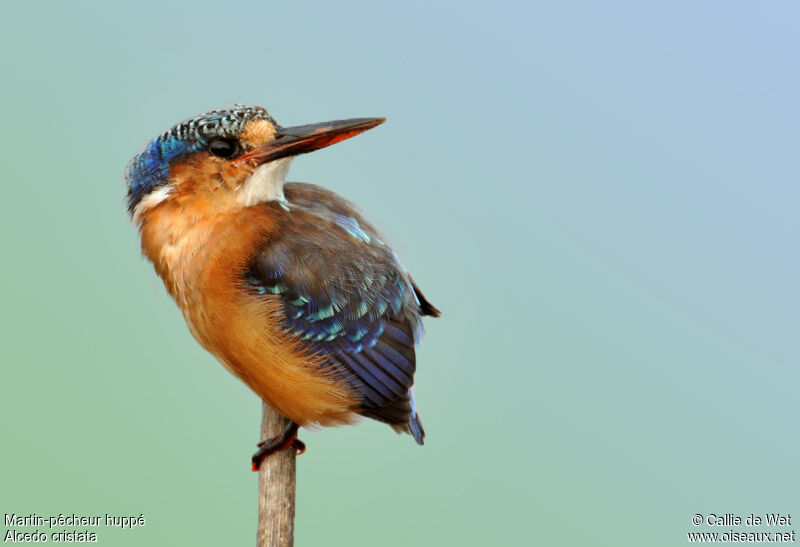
(285, 283)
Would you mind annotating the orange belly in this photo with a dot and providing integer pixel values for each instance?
(201, 262)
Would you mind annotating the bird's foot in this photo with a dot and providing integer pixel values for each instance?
(285, 439)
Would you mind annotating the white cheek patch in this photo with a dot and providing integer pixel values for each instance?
(265, 184)
(149, 201)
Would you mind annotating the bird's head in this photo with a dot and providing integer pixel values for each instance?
(234, 157)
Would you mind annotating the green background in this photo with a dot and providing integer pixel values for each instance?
(601, 197)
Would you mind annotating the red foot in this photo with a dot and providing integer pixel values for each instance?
(287, 438)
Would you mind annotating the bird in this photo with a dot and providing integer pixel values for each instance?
(285, 283)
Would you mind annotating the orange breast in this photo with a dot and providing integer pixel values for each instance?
(201, 255)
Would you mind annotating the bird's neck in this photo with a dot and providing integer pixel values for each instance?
(183, 237)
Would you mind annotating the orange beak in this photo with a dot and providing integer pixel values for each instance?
(301, 139)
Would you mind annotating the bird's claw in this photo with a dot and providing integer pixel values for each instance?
(287, 438)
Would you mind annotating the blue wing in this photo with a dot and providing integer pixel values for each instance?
(346, 294)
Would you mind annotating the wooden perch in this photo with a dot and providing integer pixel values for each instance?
(276, 487)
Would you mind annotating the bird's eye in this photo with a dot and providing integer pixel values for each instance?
(223, 148)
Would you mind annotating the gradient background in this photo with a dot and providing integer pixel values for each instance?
(601, 197)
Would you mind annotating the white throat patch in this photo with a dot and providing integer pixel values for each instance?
(149, 201)
(265, 184)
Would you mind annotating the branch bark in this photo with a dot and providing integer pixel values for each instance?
(276, 487)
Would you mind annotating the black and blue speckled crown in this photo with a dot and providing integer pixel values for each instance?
(224, 123)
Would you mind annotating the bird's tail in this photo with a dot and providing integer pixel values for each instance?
(412, 426)
(414, 423)
(416, 429)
